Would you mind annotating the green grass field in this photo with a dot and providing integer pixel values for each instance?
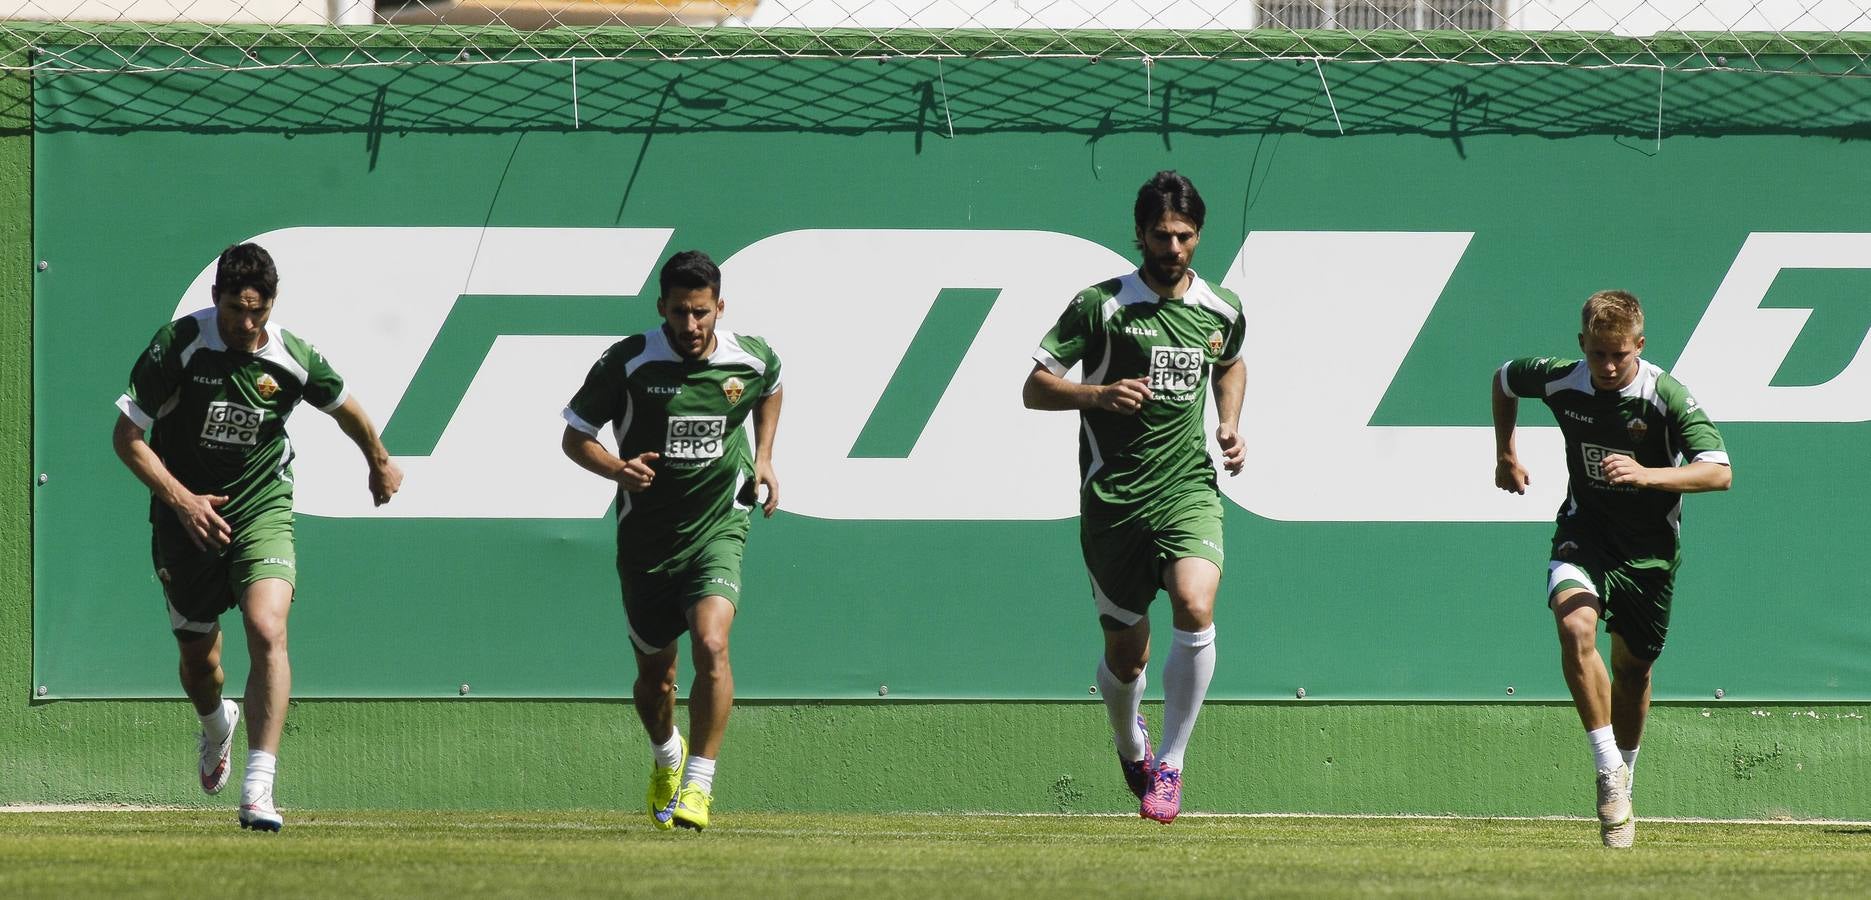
(470, 854)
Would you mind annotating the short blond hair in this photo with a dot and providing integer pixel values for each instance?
(1612, 314)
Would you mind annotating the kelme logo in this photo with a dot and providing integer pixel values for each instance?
(266, 386)
(732, 389)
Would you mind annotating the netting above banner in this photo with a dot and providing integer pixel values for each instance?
(1828, 37)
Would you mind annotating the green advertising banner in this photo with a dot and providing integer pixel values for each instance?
(463, 241)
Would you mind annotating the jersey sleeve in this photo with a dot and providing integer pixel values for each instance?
(154, 379)
(772, 360)
(1528, 376)
(324, 387)
(1065, 344)
(600, 399)
(1232, 345)
(1692, 431)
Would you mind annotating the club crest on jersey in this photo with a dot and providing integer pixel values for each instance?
(1637, 428)
(266, 386)
(732, 389)
(1214, 342)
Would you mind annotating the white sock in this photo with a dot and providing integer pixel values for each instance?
(1186, 675)
(1630, 761)
(1121, 702)
(216, 723)
(258, 784)
(668, 753)
(1604, 748)
(701, 773)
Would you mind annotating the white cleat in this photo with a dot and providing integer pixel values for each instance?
(214, 756)
(1617, 824)
(257, 812)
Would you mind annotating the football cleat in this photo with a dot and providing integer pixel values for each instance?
(257, 812)
(691, 807)
(1617, 825)
(661, 798)
(1164, 799)
(214, 756)
(1137, 774)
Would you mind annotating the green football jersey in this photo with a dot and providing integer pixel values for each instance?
(1121, 329)
(1653, 420)
(690, 413)
(217, 416)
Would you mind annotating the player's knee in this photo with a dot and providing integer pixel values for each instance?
(195, 668)
(711, 652)
(1578, 624)
(1629, 670)
(656, 685)
(266, 635)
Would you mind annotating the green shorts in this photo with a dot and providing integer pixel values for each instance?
(200, 585)
(657, 601)
(1125, 556)
(1635, 592)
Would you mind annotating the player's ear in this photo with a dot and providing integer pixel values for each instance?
(1640, 343)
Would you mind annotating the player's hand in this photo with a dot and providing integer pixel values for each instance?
(1621, 469)
(636, 474)
(1126, 397)
(203, 525)
(1233, 449)
(385, 481)
(1510, 476)
(764, 477)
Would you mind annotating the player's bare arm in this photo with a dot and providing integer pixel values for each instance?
(766, 424)
(1509, 475)
(1230, 384)
(1692, 478)
(386, 477)
(203, 525)
(1044, 390)
(635, 473)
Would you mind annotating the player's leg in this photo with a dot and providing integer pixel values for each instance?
(1630, 697)
(1192, 583)
(1187, 545)
(653, 611)
(265, 606)
(1120, 683)
(1573, 597)
(1119, 562)
(711, 700)
(194, 584)
(1639, 622)
(202, 679)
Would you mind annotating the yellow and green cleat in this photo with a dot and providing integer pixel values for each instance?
(662, 795)
(690, 809)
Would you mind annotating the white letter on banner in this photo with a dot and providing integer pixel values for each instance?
(1730, 360)
(1325, 338)
(841, 308)
(372, 300)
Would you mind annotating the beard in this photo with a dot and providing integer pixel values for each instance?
(1165, 271)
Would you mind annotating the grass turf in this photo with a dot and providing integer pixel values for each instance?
(469, 854)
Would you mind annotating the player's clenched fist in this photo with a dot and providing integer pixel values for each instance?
(1125, 396)
(1510, 476)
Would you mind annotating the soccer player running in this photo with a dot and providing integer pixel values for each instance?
(676, 396)
(203, 425)
(1635, 442)
(1150, 343)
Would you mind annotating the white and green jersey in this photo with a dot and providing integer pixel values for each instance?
(1653, 420)
(689, 412)
(216, 416)
(1121, 329)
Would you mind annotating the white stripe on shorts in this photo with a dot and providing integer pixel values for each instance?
(1107, 608)
(1557, 572)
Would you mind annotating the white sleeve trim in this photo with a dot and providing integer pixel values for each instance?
(572, 419)
(1501, 374)
(1719, 457)
(1052, 365)
(344, 393)
(772, 388)
(135, 413)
